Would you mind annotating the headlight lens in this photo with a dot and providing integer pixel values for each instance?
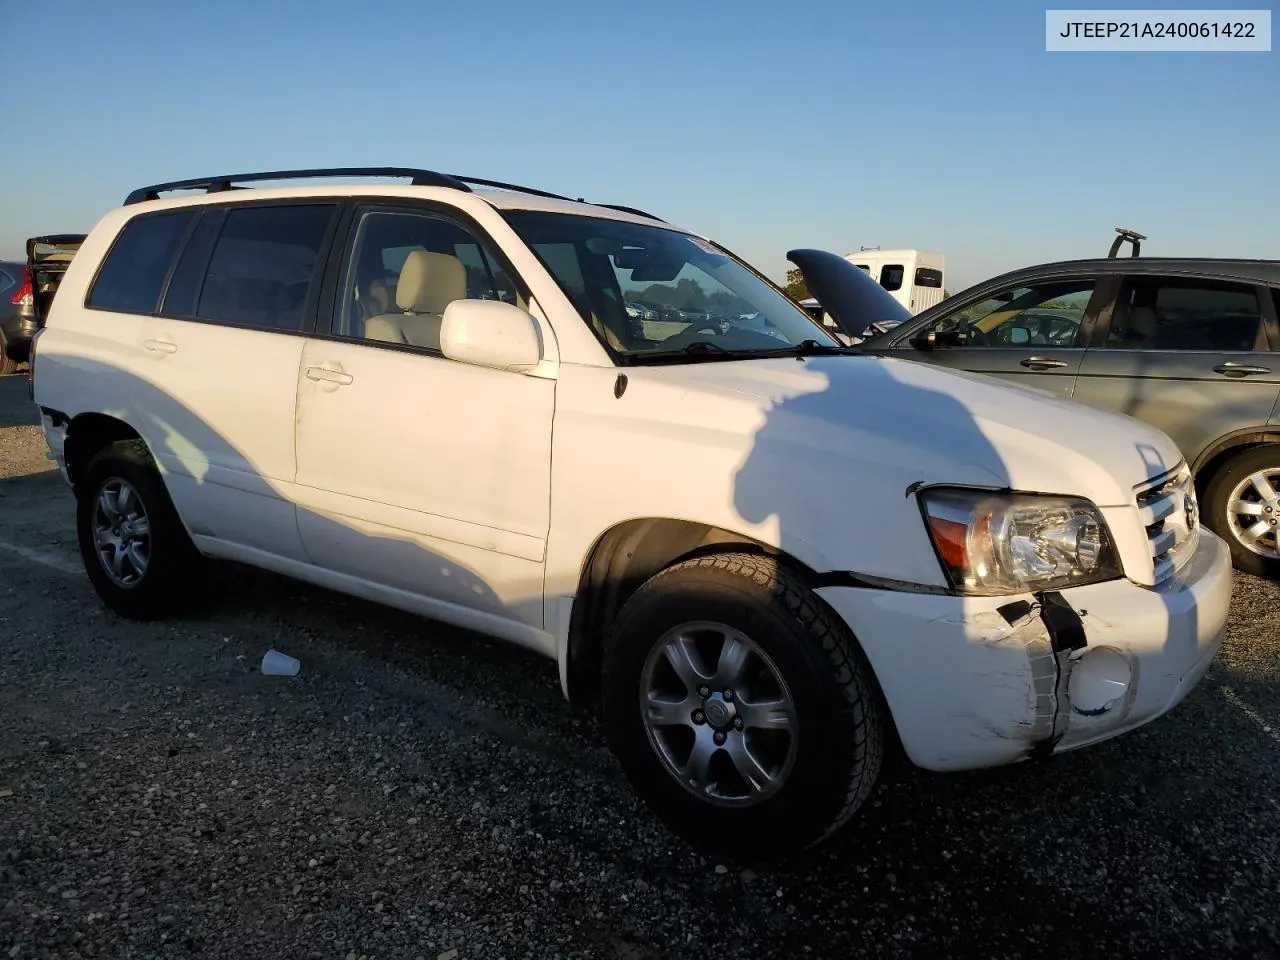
(993, 544)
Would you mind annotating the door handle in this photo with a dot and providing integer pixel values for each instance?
(1233, 369)
(1043, 363)
(324, 374)
(160, 346)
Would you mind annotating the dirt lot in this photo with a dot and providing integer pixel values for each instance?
(421, 792)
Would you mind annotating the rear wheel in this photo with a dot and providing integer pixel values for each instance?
(1243, 505)
(135, 549)
(740, 707)
(7, 366)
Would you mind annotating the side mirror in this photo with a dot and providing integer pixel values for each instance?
(926, 339)
(490, 333)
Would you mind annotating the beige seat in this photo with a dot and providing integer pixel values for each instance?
(428, 283)
(1142, 324)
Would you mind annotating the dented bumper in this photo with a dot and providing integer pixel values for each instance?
(978, 682)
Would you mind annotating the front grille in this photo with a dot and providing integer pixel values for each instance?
(1171, 515)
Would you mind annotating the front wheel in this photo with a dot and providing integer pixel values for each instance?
(1242, 503)
(136, 551)
(740, 706)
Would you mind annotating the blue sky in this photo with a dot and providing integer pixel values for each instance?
(765, 125)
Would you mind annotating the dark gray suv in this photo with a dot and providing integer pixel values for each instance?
(1191, 346)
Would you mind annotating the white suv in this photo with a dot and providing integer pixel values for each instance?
(767, 555)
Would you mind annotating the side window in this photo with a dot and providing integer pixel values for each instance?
(132, 275)
(891, 276)
(1041, 315)
(928, 277)
(262, 265)
(1172, 313)
(188, 276)
(404, 268)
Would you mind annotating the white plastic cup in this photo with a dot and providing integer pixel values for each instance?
(277, 664)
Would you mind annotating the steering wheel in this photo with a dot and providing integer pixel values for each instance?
(710, 323)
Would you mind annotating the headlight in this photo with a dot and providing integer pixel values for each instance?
(1000, 543)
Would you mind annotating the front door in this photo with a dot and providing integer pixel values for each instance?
(417, 472)
(1034, 334)
(1189, 355)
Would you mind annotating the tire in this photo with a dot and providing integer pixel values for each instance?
(1232, 482)
(173, 570)
(7, 366)
(836, 754)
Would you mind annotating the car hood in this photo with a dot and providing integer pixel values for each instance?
(929, 425)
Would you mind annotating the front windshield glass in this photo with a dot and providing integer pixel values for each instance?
(650, 293)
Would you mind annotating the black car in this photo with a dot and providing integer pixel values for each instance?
(1189, 345)
(17, 311)
(27, 289)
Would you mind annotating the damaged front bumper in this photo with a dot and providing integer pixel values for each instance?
(977, 682)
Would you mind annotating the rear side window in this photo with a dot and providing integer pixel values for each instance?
(891, 276)
(188, 276)
(133, 273)
(1177, 314)
(928, 277)
(262, 265)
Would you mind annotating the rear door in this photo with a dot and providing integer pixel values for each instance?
(1189, 354)
(1034, 332)
(218, 369)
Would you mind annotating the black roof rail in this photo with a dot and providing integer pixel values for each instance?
(512, 186)
(1125, 234)
(420, 178)
(638, 213)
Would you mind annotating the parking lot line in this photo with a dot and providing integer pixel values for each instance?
(44, 558)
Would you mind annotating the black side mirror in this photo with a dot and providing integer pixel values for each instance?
(926, 339)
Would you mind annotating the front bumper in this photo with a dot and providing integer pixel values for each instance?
(979, 682)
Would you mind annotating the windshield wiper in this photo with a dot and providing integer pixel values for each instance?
(699, 349)
(706, 350)
(812, 348)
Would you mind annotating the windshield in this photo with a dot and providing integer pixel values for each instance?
(703, 302)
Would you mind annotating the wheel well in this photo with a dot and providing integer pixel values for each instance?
(623, 559)
(89, 433)
(1206, 471)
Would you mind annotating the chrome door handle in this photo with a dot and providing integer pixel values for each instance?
(1231, 368)
(1043, 363)
(328, 376)
(160, 346)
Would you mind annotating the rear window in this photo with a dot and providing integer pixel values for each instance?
(928, 277)
(891, 276)
(6, 281)
(133, 273)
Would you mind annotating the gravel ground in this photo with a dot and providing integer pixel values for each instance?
(422, 792)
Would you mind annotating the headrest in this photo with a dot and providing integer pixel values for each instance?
(1142, 321)
(429, 282)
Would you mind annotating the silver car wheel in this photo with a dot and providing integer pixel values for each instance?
(121, 532)
(719, 714)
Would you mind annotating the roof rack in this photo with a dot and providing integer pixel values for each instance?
(638, 213)
(1125, 234)
(418, 178)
